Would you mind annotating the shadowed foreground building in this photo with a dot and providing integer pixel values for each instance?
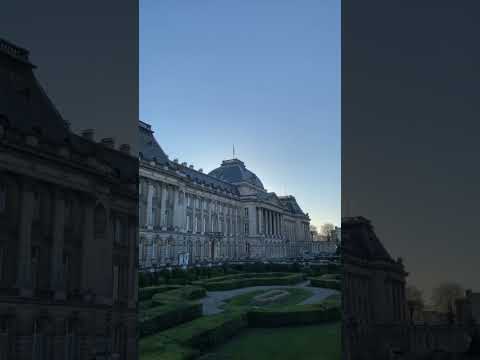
(68, 220)
(190, 217)
(377, 321)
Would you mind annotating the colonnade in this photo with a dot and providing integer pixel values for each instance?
(269, 223)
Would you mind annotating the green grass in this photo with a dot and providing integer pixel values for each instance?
(244, 301)
(319, 342)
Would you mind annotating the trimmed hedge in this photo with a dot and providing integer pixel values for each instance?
(328, 281)
(230, 282)
(209, 331)
(147, 293)
(166, 316)
(186, 276)
(294, 315)
(169, 306)
(189, 340)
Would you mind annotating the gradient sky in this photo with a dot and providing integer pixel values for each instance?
(263, 75)
(410, 125)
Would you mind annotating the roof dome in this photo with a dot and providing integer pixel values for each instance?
(234, 171)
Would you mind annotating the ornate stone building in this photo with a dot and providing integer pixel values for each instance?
(69, 227)
(377, 322)
(190, 217)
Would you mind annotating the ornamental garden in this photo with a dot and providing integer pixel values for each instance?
(242, 311)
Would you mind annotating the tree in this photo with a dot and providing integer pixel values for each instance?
(444, 296)
(415, 296)
(414, 299)
(313, 229)
(326, 229)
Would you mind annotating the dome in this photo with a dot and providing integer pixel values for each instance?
(234, 171)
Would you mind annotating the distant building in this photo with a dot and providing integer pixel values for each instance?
(68, 230)
(468, 308)
(224, 215)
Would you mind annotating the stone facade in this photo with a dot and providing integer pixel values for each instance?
(69, 227)
(189, 217)
(377, 321)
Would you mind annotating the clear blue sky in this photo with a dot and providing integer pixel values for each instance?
(261, 74)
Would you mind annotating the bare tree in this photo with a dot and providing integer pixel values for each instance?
(326, 229)
(313, 229)
(415, 296)
(445, 294)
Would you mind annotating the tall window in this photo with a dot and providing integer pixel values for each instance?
(68, 212)
(3, 198)
(115, 283)
(36, 206)
(2, 261)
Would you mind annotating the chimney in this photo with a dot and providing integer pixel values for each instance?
(175, 161)
(108, 142)
(88, 134)
(184, 164)
(125, 148)
(200, 170)
(191, 166)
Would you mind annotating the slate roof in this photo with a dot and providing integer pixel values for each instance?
(25, 107)
(234, 171)
(291, 204)
(359, 240)
(149, 148)
(23, 102)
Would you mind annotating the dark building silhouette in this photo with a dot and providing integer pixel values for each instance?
(377, 322)
(68, 220)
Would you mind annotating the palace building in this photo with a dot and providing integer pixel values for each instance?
(69, 227)
(191, 217)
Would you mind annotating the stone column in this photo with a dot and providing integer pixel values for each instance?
(24, 270)
(57, 279)
(267, 223)
(252, 219)
(174, 206)
(163, 205)
(150, 190)
(260, 220)
(88, 237)
(276, 225)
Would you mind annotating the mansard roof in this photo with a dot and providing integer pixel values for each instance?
(23, 102)
(235, 172)
(25, 109)
(149, 148)
(359, 240)
(291, 204)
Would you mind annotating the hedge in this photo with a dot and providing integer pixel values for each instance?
(208, 331)
(146, 293)
(294, 315)
(252, 279)
(169, 306)
(327, 281)
(166, 316)
(189, 340)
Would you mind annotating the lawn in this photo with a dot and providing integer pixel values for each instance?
(319, 342)
(295, 296)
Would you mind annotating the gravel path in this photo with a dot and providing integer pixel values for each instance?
(215, 299)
